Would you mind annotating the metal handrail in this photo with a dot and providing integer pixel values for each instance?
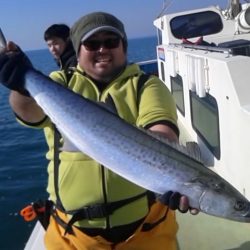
(202, 47)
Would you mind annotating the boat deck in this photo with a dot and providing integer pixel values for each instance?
(204, 232)
(199, 232)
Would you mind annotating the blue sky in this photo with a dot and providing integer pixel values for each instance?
(24, 21)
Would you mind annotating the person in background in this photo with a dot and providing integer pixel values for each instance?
(93, 207)
(60, 46)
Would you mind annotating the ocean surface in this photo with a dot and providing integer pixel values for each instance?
(23, 167)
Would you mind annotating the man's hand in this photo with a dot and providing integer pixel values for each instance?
(13, 66)
(175, 200)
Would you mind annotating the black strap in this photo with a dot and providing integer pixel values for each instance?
(57, 137)
(69, 73)
(141, 81)
(62, 223)
(148, 226)
(99, 210)
(43, 209)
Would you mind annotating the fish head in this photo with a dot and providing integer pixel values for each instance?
(223, 200)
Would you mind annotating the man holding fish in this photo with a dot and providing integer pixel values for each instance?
(93, 207)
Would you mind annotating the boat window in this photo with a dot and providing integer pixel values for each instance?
(159, 36)
(196, 24)
(237, 47)
(177, 92)
(162, 72)
(205, 121)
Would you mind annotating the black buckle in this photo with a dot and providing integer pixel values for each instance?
(96, 211)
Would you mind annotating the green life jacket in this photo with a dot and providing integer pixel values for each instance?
(107, 200)
(98, 210)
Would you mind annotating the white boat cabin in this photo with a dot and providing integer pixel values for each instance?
(204, 58)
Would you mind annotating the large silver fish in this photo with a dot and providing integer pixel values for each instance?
(130, 152)
(134, 154)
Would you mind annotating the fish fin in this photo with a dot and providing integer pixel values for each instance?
(194, 150)
(197, 181)
(191, 149)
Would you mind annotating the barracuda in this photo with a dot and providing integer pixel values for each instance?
(134, 154)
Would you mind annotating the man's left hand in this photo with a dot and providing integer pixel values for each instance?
(175, 200)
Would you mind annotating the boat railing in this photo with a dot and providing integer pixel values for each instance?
(149, 66)
(203, 47)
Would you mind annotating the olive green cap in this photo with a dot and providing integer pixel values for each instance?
(95, 22)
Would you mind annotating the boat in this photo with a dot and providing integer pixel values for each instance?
(203, 56)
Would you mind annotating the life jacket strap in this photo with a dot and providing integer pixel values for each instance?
(40, 210)
(98, 210)
(149, 226)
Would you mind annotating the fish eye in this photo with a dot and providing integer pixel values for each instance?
(217, 186)
(240, 205)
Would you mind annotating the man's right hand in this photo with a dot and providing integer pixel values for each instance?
(13, 66)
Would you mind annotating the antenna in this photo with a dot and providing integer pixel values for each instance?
(3, 42)
(234, 8)
(165, 6)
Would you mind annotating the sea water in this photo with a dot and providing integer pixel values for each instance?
(23, 167)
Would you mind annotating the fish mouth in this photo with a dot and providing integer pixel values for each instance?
(242, 209)
(238, 209)
(241, 205)
(243, 218)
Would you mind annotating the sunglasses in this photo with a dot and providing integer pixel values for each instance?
(109, 43)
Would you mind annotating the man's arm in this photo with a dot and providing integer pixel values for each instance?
(13, 66)
(25, 107)
(165, 131)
